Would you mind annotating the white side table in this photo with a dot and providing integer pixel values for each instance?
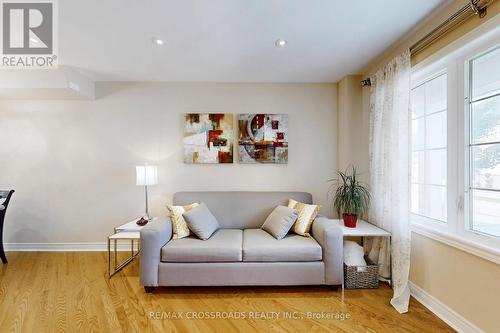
(130, 226)
(129, 231)
(363, 229)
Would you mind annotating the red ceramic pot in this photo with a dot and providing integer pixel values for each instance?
(350, 220)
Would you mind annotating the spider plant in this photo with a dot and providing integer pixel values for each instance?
(351, 197)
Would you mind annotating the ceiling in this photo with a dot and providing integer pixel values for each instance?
(231, 40)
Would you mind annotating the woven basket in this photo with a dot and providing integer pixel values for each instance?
(356, 277)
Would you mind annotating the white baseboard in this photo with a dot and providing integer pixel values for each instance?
(441, 310)
(65, 247)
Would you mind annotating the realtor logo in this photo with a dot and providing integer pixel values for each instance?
(28, 34)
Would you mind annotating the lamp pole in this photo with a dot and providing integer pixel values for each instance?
(146, 216)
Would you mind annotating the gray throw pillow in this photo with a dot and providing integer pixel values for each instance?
(279, 222)
(201, 221)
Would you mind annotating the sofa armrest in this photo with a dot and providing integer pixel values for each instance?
(154, 236)
(330, 237)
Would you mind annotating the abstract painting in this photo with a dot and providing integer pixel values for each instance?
(263, 138)
(208, 138)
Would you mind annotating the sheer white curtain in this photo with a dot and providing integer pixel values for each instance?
(389, 173)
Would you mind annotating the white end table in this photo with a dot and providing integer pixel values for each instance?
(128, 231)
(363, 229)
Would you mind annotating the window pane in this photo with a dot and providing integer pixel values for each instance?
(417, 101)
(418, 134)
(486, 75)
(486, 212)
(486, 166)
(435, 167)
(435, 95)
(417, 167)
(429, 153)
(436, 202)
(486, 120)
(435, 128)
(417, 193)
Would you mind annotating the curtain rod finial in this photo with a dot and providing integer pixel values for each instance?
(366, 82)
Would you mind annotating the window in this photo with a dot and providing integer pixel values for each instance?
(455, 146)
(484, 143)
(429, 152)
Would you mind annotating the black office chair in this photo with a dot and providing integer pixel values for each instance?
(7, 195)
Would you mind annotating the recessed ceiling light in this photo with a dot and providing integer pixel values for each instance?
(280, 43)
(157, 41)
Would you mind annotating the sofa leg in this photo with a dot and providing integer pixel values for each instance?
(148, 289)
(334, 287)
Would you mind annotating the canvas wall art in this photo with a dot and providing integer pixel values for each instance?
(208, 138)
(263, 138)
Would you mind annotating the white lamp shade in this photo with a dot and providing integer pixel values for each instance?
(147, 175)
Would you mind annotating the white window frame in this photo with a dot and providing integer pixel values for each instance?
(418, 79)
(454, 60)
(464, 156)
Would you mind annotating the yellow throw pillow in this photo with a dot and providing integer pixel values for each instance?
(307, 214)
(179, 225)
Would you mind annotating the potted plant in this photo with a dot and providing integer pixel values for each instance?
(351, 198)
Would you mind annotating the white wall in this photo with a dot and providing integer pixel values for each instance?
(72, 163)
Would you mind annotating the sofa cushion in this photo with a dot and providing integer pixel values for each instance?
(280, 221)
(224, 245)
(240, 210)
(201, 221)
(179, 225)
(258, 245)
(307, 214)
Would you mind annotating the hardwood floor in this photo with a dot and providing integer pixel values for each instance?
(70, 292)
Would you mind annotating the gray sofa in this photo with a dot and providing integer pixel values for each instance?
(240, 253)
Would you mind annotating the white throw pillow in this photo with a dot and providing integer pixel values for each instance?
(353, 254)
(179, 226)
